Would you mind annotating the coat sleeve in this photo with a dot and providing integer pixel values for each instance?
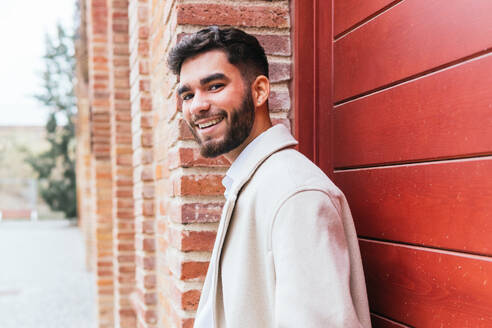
(312, 265)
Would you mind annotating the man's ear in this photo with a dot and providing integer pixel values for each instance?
(260, 89)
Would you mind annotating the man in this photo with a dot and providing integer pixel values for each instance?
(286, 252)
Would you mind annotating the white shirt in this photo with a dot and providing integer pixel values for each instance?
(205, 319)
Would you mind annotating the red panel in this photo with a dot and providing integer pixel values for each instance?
(412, 37)
(350, 12)
(313, 80)
(304, 76)
(445, 205)
(324, 81)
(446, 114)
(428, 288)
(380, 322)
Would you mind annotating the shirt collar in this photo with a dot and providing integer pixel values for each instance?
(268, 142)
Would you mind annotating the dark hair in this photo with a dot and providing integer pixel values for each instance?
(242, 50)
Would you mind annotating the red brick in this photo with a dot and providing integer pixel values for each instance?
(279, 72)
(190, 157)
(193, 240)
(147, 139)
(279, 101)
(279, 45)
(126, 225)
(126, 258)
(148, 245)
(127, 278)
(145, 102)
(143, 67)
(150, 281)
(144, 85)
(143, 32)
(148, 225)
(198, 240)
(124, 159)
(143, 14)
(150, 316)
(149, 263)
(147, 156)
(150, 298)
(193, 270)
(120, 27)
(126, 247)
(148, 191)
(120, 61)
(146, 121)
(119, 14)
(190, 299)
(201, 212)
(143, 48)
(184, 131)
(124, 116)
(187, 323)
(207, 185)
(121, 4)
(126, 269)
(222, 14)
(125, 236)
(122, 214)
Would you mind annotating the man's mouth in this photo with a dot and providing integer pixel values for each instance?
(209, 123)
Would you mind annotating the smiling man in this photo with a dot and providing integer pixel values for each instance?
(286, 252)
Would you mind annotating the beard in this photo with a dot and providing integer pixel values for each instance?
(239, 125)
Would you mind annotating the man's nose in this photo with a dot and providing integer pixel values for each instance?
(199, 104)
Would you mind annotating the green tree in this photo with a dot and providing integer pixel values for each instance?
(56, 166)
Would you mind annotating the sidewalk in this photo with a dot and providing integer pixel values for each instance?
(43, 281)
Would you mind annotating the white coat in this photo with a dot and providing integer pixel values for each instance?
(286, 253)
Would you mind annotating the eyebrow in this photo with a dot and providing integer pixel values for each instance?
(205, 80)
(213, 77)
(183, 89)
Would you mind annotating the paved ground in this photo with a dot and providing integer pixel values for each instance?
(43, 281)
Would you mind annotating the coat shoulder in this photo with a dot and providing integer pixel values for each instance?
(288, 171)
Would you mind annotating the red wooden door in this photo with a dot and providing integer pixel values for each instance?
(394, 101)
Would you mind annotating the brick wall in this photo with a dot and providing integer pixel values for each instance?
(155, 203)
(189, 188)
(145, 297)
(99, 96)
(121, 165)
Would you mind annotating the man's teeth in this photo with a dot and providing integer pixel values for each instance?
(209, 123)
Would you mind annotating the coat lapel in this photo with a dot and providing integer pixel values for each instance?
(278, 139)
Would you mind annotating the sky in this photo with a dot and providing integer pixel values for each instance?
(23, 26)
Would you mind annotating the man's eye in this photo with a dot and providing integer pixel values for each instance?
(216, 86)
(187, 96)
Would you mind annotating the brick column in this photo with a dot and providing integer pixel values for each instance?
(145, 297)
(99, 95)
(189, 189)
(122, 166)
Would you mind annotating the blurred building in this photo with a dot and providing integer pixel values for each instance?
(19, 195)
(392, 99)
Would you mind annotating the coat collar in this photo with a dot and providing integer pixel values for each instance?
(242, 169)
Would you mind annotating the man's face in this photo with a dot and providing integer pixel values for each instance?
(217, 105)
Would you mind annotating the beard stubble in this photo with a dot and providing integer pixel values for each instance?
(239, 127)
